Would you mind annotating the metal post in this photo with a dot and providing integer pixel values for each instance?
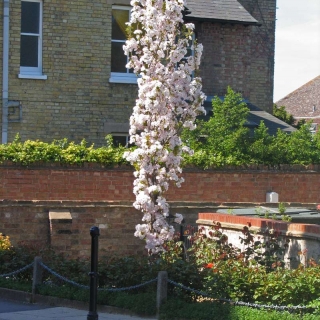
(92, 315)
(37, 276)
(181, 233)
(162, 290)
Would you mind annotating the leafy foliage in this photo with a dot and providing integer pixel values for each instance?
(5, 243)
(224, 140)
(282, 114)
(221, 141)
(61, 151)
(209, 310)
(233, 273)
(254, 274)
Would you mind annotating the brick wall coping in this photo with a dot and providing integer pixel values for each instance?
(175, 204)
(65, 203)
(283, 168)
(238, 222)
(91, 166)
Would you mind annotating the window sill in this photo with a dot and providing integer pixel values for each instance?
(123, 79)
(33, 76)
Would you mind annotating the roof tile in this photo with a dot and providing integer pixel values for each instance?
(219, 10)
(304, 102)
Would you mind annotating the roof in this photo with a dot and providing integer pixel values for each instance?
(272, 123)
(255, 116)
(219, 11)
(298, 214)
(304, 102)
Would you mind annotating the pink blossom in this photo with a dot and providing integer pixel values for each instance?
(168, 100)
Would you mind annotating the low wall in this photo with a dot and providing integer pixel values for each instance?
(65, 225)
(35, 223)
(304, 239)
(92, 195)
(94, 183)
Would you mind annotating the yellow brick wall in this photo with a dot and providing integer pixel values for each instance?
(77, 101)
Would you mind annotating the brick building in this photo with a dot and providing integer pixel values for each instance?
(63, 71)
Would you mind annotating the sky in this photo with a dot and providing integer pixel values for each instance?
(297, 51)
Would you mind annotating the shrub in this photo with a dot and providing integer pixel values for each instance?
(253, 274)
(282, 114)
(16, 258)
(222, 140)
(61, 151)
(5, 243)
(290, 287)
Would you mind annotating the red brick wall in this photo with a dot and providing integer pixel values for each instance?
(293, 184)
(103, 197)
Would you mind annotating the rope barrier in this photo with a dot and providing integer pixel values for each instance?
(87, 287)
(17, 271)
(63, 278)
(204, 294)
(240, 303)
(128, 288)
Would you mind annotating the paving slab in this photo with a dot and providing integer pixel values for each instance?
(10, 310)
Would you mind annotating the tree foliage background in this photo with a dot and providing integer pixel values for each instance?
(225, 140)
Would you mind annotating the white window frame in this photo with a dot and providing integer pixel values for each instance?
(34, 72)
(122, 77)
(121, 134)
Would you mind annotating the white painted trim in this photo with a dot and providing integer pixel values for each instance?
(117, 77)
(128, 8)
(122, 77)
(32, 76)
(30, 70)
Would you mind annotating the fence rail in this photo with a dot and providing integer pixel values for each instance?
(162, 280)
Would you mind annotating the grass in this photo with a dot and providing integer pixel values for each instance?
(16, 284)
(179, 310)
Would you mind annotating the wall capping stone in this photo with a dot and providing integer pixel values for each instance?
(228, 221)
(60, 216)
(60, 229)
(283, 168)
(302, 237)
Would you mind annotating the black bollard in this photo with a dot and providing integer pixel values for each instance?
(92, 315)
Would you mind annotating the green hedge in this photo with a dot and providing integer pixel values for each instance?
(61, 151)
(299, 148)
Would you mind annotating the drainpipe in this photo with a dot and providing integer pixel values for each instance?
(5, 71)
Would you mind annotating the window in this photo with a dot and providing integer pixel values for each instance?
(313, 128)
(31, 40)
(121, 139)
(119, 72)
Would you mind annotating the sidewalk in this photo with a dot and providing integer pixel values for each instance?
(62, 313)
(14, 306)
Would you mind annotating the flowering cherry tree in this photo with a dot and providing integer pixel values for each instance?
(169, 98)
